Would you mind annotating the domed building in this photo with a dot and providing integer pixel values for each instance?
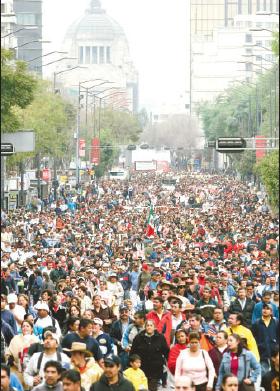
(99, 45)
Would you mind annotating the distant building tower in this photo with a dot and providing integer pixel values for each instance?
(99, 44)
(8, 21)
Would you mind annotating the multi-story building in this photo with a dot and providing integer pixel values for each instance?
(98, 45)
(234, 54)
(208, 15)
(8, 21)
(29, 37)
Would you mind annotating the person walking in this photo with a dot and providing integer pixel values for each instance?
(196, 363)
(240, 362)
(153, 350)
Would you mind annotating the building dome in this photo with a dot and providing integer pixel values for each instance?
(95, 25)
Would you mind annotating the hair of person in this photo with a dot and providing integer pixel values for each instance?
(197, 317)
(266, 293)
(240, 317)
(150, 294)
(241, 289)
(84, 323)
(176, 301)
(180, 331)
(150, 321)
(134, 357)
(38, 272)
(48, 291)
(26, 321)
(219, 307)
(194, 335)
(240, 343)
(72, 375)
(274, 351)
(140, 315)
(54, 364)
(225, 334)
(158, 298)
(183, 377)
(70, 321)
(227, 376)
(77, 299)
(95, 296)
(24, 296)
(46, 276)
(77, 307)
(83, 288)
(6, 368)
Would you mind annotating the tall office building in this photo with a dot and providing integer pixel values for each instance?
(29, 14)
(206, 15)
(8, 21)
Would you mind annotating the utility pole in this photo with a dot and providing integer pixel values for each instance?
(78, 136)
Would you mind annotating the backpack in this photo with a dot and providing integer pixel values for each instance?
(40, 359)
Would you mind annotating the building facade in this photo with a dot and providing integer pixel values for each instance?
(29, 38)
(8, 22)
(98, 46)
(207, 15)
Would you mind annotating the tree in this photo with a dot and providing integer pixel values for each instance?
(52, 120)
(268, 170)
(17, 90)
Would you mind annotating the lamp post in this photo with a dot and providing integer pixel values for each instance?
(45, 55)
(30, 27)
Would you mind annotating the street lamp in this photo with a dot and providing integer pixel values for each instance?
(27, 43)
(22, 28)
(260, 29)
(45, 55)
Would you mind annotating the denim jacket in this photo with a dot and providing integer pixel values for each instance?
(246, 362)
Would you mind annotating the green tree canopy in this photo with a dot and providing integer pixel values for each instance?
(17, 90)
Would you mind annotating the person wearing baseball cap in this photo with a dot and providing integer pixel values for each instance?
(83, 362)
(44, 318)
(34, 373)
(104, 339)
(112, 377)
(17, 310)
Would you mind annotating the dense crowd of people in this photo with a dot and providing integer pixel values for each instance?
(131, 286)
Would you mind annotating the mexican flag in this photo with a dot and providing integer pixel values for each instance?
(150, 230)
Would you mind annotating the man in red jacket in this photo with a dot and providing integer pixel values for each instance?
(158, 313)
(172, 319)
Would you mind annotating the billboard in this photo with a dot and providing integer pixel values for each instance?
(95, 151)
(145, 165)
(260, 147)
(82, 147)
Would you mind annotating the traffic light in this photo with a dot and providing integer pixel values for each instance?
(230, 144)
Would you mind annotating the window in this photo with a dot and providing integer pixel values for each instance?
(268, 44)
(248, 37)
(258, 5)
(259, 24)
(26, 19)
(94, 55)
(239, 7)
(87, 60)
(81, 55)
(108, 55)
(264, 5)
(249, 51)
(3, 8)
(258, 58)
(248, 66)
(101, 55)
(258, 43)
(249, 7)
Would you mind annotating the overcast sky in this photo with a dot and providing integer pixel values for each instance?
(156, 31)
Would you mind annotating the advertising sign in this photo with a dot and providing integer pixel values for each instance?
(260, 147)
(46, 174)
(13, 200)
(163, 166)
(146, 166)
(82, 147)
(95, 151)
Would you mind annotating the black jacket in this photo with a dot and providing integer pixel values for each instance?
(247, 312)
(153, 352)
(116, 333)
(267, 338)
(122, 385)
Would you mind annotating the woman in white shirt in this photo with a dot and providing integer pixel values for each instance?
(196, 363)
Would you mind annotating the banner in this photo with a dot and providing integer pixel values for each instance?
(260, 147)
(46, 174)
(82, 147)
(95, 151)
